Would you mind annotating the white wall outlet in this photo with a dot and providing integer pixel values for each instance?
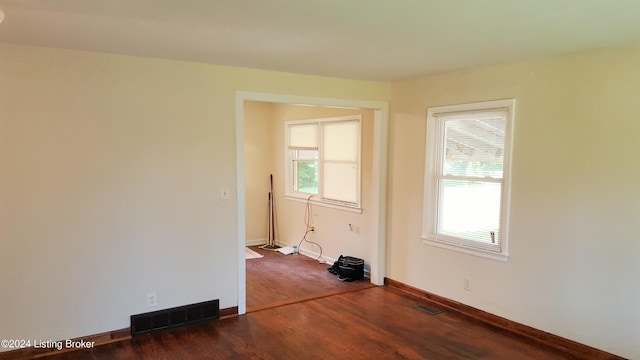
(467, 284)
(152, 300)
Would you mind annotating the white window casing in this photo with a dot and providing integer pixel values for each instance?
(467, 177)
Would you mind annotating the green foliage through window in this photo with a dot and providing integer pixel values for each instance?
(307, 172)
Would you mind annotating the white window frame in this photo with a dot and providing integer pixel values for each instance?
(433, 160)
(319, 199)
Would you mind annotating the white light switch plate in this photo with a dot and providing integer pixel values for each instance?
(224, 194)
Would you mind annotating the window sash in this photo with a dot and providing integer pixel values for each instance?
(472, 223)
(303, 136)
(338, 143)
(449, 218)
(470, 238)
(341, 141)
(340, 181)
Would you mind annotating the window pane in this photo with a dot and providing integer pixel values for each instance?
(306, 176)
(470, 210)
(340, 181)
(341, 141)
(474, 146)
(303, 136)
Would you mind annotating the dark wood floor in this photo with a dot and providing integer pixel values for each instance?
(373, 323)
(298, 310)
(278, 279)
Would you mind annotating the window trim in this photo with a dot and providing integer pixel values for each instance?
(318, 199)
(433, 156)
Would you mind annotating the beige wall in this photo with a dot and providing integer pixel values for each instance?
(259, 149)
(332, 225)
(575, 204)
(111, 171)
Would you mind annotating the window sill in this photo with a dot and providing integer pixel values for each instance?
(328, 204)
(466, 250)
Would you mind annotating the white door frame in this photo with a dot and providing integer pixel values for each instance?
(380, 167)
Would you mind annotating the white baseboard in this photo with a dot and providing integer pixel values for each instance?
(309, 253)
(314, 255)
(323, 259)
(255, 242)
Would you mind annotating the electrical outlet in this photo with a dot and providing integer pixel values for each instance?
(152, 300)
(467, 284)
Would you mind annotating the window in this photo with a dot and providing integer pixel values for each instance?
(323, 160)
(466, 193)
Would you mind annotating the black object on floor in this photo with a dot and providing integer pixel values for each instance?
(348, 268)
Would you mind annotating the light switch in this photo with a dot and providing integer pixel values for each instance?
(224, 194)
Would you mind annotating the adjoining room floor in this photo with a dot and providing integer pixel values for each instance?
(278, 279)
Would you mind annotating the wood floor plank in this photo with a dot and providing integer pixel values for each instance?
(277, 279)
(373, 323)
(298, 310)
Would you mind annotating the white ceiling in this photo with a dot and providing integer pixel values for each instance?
(358, 39)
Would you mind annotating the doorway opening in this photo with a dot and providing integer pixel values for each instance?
(260, 147)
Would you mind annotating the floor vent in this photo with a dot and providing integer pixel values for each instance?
(427, 309)
(174, 317)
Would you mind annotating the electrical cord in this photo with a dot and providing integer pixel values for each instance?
(309, 228)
